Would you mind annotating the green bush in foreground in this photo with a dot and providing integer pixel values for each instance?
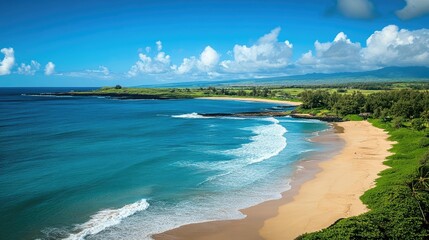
(400, 201)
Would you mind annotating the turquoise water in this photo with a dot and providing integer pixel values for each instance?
(97, 168)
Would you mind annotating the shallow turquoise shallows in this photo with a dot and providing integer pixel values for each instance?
(97, 168)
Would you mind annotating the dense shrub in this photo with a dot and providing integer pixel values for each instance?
(407, 104)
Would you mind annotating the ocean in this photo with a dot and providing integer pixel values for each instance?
(101, 168)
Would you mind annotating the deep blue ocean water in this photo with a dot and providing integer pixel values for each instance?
(97, 168)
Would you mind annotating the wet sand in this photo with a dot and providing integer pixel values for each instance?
(326, 189)
(335, 191)
(248, 228)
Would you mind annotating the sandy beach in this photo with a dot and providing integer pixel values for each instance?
(325, 191)
(334, 192)
(254, 100)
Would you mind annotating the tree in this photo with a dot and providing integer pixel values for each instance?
(118, 87)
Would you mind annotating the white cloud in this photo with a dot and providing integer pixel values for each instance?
(101, 72)
(8, 61)
(414, 8)
(159, 45)
(209, 57)
(392, 46)
(206, 63)
(335, 55)
(49, 68)
(29, 69)
(361, 9)
(160, 63)
(389, 47)
(187, 65)
(267, 53)
(271, 57)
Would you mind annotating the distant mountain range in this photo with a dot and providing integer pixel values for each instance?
(387, 74)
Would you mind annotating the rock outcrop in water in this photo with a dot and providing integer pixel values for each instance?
(273, 114)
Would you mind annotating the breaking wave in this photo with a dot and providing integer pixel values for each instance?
(105, 219)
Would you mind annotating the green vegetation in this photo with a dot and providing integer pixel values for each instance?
(290, 93)
(176, 93)
(402, 107)
(400, 201)
(371, 86)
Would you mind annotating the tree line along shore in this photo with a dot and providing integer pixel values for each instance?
(399, 203)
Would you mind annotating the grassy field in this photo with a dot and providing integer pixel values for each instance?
(291, 93)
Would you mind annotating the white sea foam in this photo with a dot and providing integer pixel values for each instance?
(199, 208)
(189, 115)
(267, 143)
(235, 176)
(294, 120)
(299, 168)
(105, 219)
(233, 118)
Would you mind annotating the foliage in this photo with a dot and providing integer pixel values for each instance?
(353, 117)
(398, 122)
(418, 124)
(400, 201)
(424, 142)
(399, 105)
(179, 93)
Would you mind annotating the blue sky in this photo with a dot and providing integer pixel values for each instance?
(99, 43)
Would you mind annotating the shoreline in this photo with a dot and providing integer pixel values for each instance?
(253, 100)
(334, 184)
(335, 191)
(248, 227)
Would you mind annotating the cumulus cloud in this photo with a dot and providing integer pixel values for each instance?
(209, 57)
(333, 55)
(361, 9)
(29, 69)
(206, 63)
(414, 8)
(187, 65)
(8, 61)
(392, 46)
(389, 47)
(159, 45)
(160, 63)
(267, 53)
(49, 68)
